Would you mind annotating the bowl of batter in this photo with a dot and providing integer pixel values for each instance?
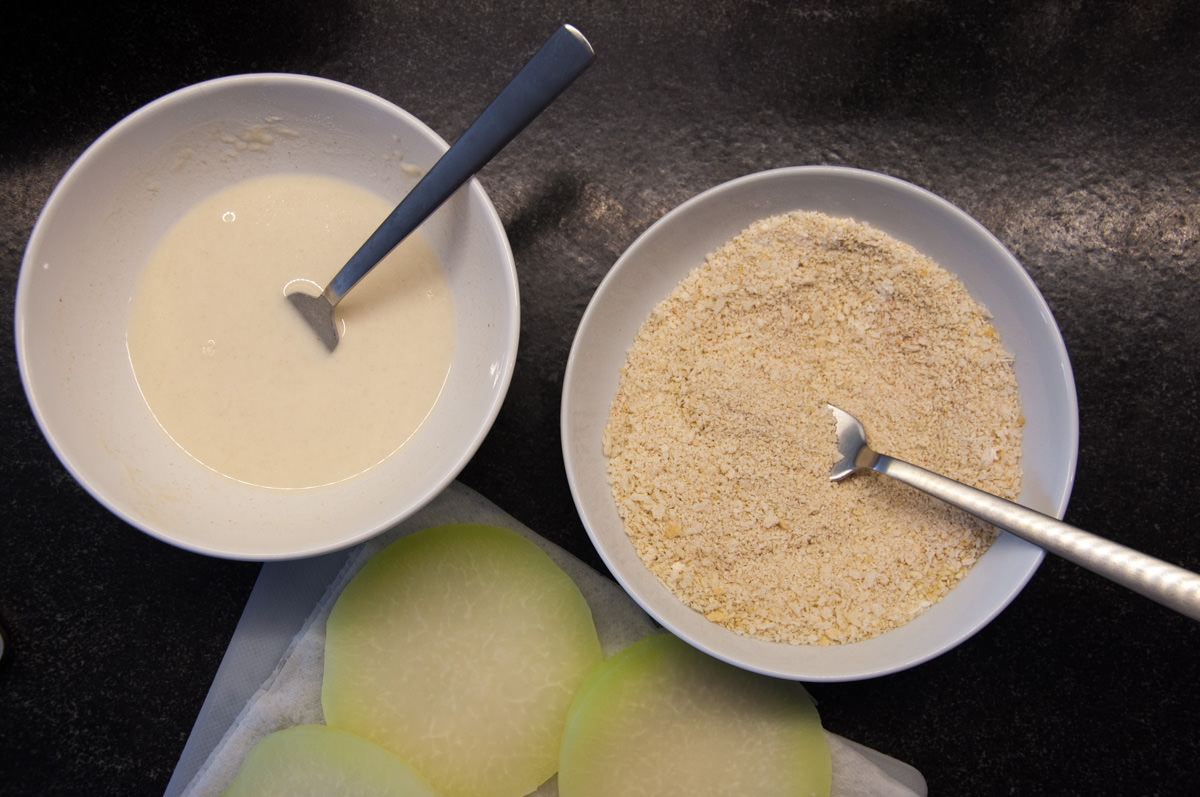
(174, 380)
(698, 441)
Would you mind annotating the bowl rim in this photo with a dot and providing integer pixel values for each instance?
(658, 601)
(501, 376)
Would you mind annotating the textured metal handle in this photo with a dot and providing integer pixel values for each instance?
(1161, 581)
(560, 60)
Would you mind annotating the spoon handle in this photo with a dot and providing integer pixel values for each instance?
(560, 60)
(1161, 581)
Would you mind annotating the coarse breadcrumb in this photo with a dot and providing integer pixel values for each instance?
(720, 443)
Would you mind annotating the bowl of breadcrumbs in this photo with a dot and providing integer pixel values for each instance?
(698, 442)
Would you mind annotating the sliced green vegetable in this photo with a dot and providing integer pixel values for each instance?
(459, 648)
(319, 761)
(661, 718)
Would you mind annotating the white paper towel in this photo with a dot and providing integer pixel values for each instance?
(271, 675)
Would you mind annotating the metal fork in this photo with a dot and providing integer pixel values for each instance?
(1161, 581)
(560, 60)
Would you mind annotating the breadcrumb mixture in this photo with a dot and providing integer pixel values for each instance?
(720, 443)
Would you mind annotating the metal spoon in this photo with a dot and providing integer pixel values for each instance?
(560, 60)
(1166, 583)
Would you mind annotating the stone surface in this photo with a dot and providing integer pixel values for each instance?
(1068, 129)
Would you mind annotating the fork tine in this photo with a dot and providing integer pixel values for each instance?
(317, 312)
(852, 445)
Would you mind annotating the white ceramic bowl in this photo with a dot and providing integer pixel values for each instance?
(94, 235)
(676, 244)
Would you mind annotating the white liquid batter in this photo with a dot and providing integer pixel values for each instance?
(237, 378)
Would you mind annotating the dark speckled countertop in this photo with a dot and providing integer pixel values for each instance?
(1069, 129)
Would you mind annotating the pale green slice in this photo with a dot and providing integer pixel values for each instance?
(661, 718)
(459, 648)
(319, 761)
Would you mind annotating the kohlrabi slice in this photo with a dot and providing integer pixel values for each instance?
(661, 718)
(459, 648)
(319, 761)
